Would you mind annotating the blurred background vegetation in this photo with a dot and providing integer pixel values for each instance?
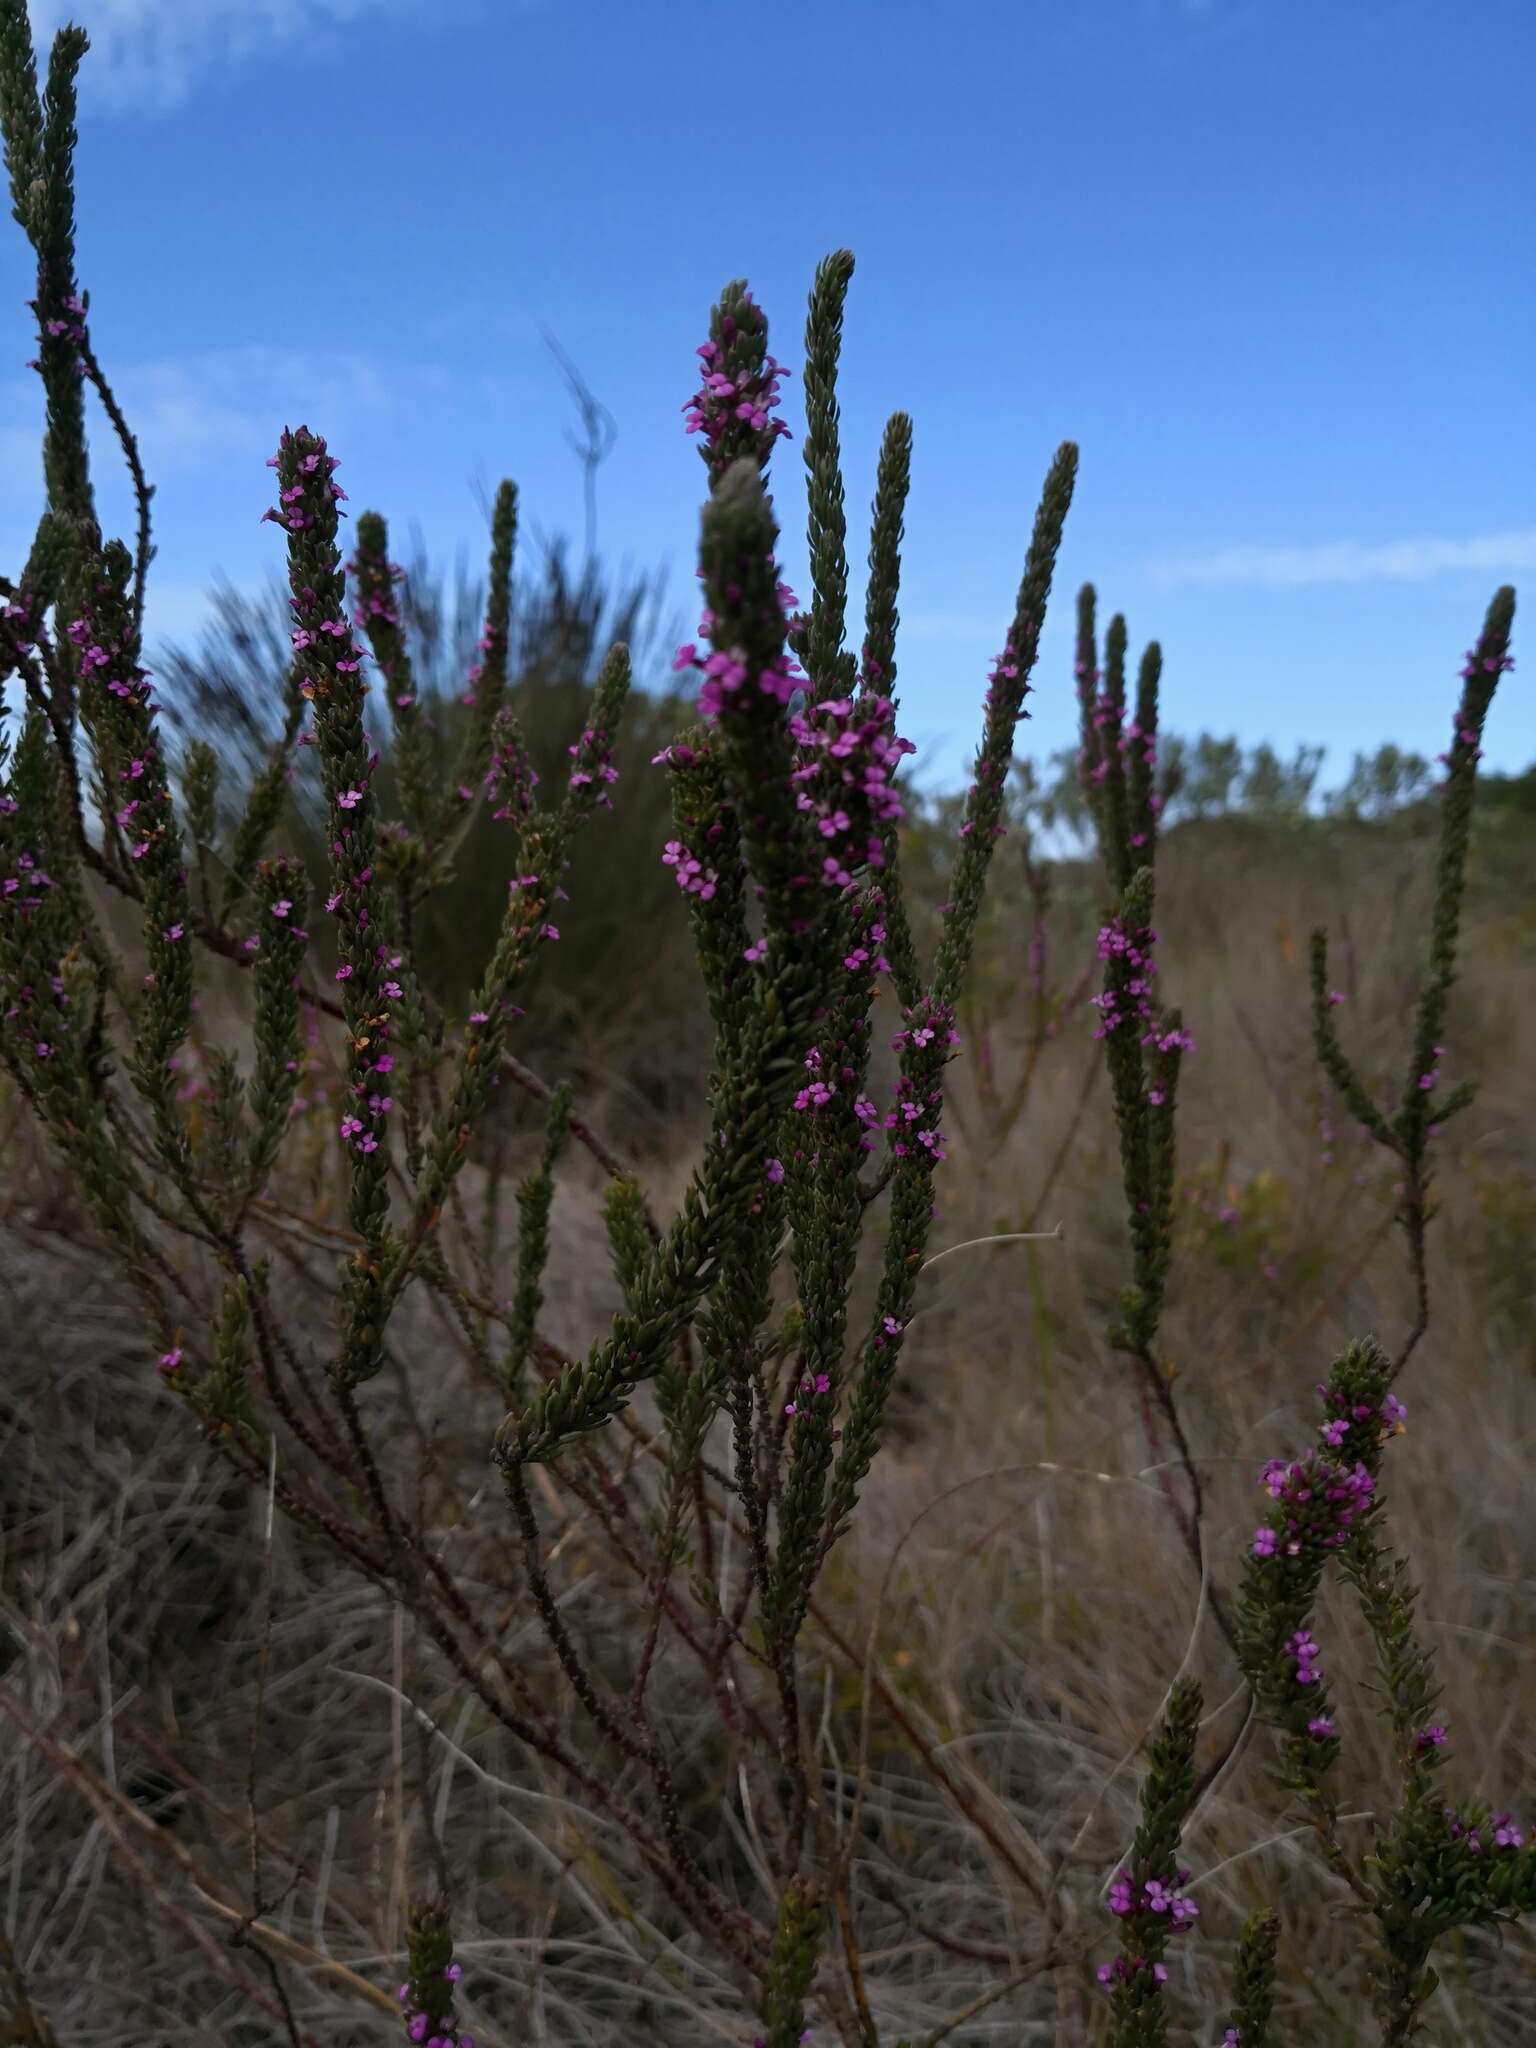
(617, 1005)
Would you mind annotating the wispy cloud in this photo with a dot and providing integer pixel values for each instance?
(206, 423)
(1181, 29)
(224, 409)
(1348, 561)
(147, 55)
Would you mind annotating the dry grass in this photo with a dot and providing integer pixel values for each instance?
(1032, 1599)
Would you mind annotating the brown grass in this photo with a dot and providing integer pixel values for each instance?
(1033, 1600)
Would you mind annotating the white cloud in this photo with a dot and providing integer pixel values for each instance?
(1348, 561)
(205, 425)
(226, 409)
(146, 55)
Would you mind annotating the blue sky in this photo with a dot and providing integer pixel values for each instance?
(1265, 260)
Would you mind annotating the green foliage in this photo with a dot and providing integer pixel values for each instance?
(1427, 1875)
(533, 1202)
(1380, 785)
(1250, 1228)
(794, 1958)
(797, 846)
(618, 984)
(443, 852)
(1503, 1252)
(1147, 1895)
(1253, 1981)
(432, 1973)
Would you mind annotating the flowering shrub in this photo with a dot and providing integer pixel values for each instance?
(786, 807)
(1427, 1872)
